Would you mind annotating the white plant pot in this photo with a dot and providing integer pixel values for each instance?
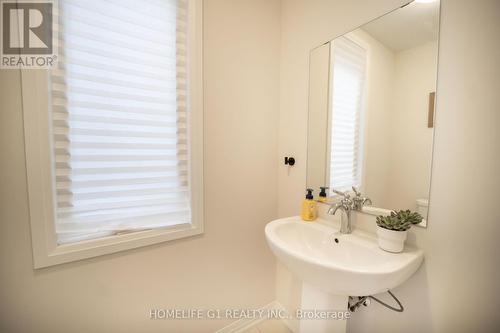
(391, 240)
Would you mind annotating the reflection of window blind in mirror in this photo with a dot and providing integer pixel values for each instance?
(348, 77)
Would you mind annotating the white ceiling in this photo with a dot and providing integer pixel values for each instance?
(407, 27)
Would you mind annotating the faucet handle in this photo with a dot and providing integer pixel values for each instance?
(360, 200)
(355, 190)
(343, 194)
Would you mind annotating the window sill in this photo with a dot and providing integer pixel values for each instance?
(93, 248)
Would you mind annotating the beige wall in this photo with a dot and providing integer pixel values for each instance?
(378, 116)
(411, 139)
(229, 266)
(456, 289)
(398, 144)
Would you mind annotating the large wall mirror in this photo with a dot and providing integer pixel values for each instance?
(371, 108)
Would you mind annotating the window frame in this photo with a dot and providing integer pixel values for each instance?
(39, 166)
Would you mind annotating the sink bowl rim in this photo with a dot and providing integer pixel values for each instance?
(409, 255)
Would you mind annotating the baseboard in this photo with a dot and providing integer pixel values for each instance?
(242, 325)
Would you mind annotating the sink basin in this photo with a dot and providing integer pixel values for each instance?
(340, 264)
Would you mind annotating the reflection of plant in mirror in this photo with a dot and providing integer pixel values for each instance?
(399, 220)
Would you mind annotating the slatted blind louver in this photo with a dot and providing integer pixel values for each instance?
(119, 117)
(349, 70)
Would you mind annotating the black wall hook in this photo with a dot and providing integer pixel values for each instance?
(289, 161)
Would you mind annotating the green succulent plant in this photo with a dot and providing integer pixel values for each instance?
(399, 220)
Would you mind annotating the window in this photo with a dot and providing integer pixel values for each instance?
(348, 77)
(119, 134)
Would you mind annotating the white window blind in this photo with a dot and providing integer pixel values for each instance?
(119, 117)
(349, 70)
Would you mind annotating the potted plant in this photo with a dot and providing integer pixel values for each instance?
(393, 229)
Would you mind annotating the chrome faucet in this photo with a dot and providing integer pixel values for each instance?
(347, 205)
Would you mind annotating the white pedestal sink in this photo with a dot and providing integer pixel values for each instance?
(334, 266)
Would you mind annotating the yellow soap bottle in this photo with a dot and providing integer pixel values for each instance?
(309, 207)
